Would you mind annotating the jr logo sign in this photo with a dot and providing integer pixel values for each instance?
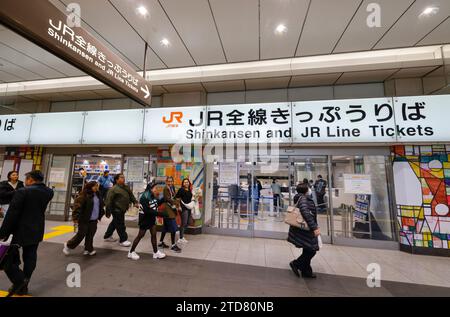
(175, 117)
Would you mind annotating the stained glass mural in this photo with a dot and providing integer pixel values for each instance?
(422, 189)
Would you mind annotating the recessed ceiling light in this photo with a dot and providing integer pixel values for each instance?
(142, 10)
(165, 42)
(281, 28)
(429, 11)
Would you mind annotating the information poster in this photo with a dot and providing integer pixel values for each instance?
(228, 173)
(357, 184)
(57, 175)
(135, 170)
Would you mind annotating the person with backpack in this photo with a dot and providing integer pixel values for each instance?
(147, 221)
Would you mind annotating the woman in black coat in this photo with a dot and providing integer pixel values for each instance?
(7, 190)
(307, 240)
(88, 210)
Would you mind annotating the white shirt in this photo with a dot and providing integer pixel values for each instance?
(13, 185)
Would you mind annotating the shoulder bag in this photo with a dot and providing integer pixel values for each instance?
(294, 218)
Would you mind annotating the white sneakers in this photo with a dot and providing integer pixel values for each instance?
(133, 256)
(90, 253)
(110, 239)
(125, 244)
(159, 255)
(66, 250)
(182, 240)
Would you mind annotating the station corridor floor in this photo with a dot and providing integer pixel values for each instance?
(212, 265)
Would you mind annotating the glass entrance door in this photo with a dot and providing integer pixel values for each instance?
(351, 194)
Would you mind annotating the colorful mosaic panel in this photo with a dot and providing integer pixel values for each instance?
(423, 196)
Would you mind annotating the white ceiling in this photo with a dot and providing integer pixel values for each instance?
(205, 32)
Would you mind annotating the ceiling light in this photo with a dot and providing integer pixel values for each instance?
(165, 42)
(142, 10)
(429, 11)
(281, 28)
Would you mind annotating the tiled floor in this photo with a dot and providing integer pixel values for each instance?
(336, 260)
(110, 274)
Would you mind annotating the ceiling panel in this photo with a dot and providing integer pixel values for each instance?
(50, 97)
(365, 76)
(20, 44)
(184, 87)
(267, 83)
(154, 28)
(324, 25)
(229, 85)
(18, 70)
(359, 36)
(238, 26)
(412, 72)
(195, 24)
(28, 62)
(9, 77)
(440, 35)
(273, 13)
(109, 93)
(314, 80)
(105, 21)
(158, 90)
(411, 28)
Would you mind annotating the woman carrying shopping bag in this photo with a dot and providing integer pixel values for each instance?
(185, 195)
(306, 236)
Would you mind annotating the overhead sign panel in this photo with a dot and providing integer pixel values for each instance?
(343, 121)
(42, 23)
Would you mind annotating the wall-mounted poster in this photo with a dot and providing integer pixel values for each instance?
(357, 184)
(228, 173)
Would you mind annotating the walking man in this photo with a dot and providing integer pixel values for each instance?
(118, 200)
(25, 221)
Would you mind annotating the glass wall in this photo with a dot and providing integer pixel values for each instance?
(58, 178)
(361, 207)
(351, 194)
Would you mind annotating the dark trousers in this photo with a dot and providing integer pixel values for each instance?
(29, 258)
(303, 263)
(87, 232)
(276, 201)
(185, 215)
(118, 224)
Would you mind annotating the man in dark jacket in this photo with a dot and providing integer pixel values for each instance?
(117, 203)
(25, 221)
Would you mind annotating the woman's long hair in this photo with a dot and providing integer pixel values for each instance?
(88, 189)
(189, 181)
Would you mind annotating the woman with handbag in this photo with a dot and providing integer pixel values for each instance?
(185, 196)
(305, 238)
(87, 212)
(170, 223)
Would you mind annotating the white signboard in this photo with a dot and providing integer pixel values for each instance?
(339, 121)
(57, 175)
(423, 118)
(57, 128)
(135, 170)
(228, 173)
(249, 123)
(113, 127)
(15, 129)
(357, 184)
(174, 125)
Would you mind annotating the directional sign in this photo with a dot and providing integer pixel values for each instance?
(42, 23)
